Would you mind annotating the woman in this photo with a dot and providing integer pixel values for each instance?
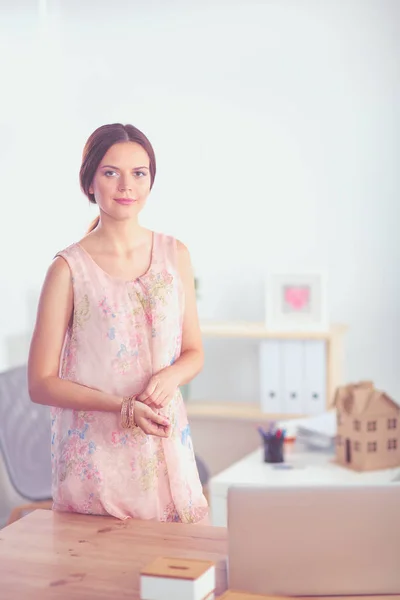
(116, 334)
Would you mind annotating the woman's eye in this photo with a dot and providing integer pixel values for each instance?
(140, 173)
(110, 173)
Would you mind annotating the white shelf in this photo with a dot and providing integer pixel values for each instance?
(255, 330)
(297, 388)
(244, 411)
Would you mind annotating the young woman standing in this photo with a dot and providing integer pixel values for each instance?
(116, 334)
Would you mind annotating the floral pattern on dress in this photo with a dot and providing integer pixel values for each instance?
(121, 333)
(78, 456)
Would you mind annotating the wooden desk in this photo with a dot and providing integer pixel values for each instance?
(77, 557)
(74, 557)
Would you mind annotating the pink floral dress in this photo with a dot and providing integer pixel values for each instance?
(121, 333)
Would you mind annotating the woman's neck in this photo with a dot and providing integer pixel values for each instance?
(120, 237)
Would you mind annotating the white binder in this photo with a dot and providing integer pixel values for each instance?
(293, 376)
(270, 362)
(315, 376)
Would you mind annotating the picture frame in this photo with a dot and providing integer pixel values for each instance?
(296, 301)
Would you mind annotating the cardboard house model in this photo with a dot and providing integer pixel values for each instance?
(368, 428)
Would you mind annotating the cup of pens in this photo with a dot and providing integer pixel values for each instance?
(273, 440)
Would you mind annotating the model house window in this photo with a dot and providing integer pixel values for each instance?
(357, 446)
(392, 444)
(392, 423)
(357, 425)
(371, 446)
(371, 426)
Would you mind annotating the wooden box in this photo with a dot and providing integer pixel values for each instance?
(169, 578)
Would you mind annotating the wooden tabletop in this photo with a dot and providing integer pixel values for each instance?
(77, 557)
(66, 556)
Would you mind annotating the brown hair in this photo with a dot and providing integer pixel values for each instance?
(99, 143)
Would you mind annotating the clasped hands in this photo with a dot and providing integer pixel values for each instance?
(158, 392)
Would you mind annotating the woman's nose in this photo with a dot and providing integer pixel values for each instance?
(125, 185)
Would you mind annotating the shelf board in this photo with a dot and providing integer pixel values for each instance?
(244, 411)
(255, 330)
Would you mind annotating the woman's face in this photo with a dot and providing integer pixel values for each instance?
(122, 181)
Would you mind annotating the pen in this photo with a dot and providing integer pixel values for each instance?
(263, 433)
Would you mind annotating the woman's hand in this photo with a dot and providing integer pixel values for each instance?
(150, 422)
(160, 389)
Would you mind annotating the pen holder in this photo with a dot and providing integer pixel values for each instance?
(273, 450)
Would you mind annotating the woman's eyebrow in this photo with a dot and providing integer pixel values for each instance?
(117, 168)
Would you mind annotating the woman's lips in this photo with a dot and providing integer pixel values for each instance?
(124, 200)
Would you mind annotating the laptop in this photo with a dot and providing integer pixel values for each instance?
(314, 540)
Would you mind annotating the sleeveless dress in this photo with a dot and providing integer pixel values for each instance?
(121, 333)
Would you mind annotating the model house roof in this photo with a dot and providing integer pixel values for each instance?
(363, 399)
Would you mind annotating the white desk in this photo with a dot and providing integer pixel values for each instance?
(308, 468)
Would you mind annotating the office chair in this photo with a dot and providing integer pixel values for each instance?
(25, 442)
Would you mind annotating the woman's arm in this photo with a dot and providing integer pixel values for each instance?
(162, 386)
(191, 360)
(54, 314)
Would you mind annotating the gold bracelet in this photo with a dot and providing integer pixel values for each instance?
(124, 413)
(128, 413)
(131, 412)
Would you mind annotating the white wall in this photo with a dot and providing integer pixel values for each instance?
(276, 129)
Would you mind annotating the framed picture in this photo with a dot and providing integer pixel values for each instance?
(296, 302)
